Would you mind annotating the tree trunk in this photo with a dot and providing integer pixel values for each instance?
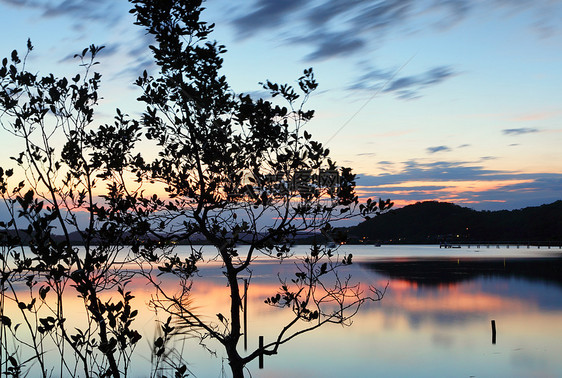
(235, 362)
(95, 309)
(234, 359)
(237, 369)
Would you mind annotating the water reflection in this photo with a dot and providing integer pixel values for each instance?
(435, 320)
(436, 272)
(444, 308)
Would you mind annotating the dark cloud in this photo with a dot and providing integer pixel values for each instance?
(329, 45)
(454, 12)
(544, 188)
(401, 83)
(109, 49)
(323, 13)
(141, 48)
(349, 28)
(267, 14)
(414, 83)
(539, 188)
(380, 15)
(329, 28)
(363, 17)
(17, 3)
(137, 68)
(437, 171)
(99, 10)
(367, 154)
(437, 75)
(435, 149)
(84, 8)
(519, 131)
(406, 87)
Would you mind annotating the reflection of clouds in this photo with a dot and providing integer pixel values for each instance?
(413, 329)
(451, 300)
(530, 360)
(443, 339)
(454, 299)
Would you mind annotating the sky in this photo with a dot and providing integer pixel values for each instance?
(448, 100)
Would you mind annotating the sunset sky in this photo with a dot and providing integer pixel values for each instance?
(451, 100)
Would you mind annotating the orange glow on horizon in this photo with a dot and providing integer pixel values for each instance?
(444, 191)
(476, 185)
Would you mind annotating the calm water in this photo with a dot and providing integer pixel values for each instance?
(434, 319)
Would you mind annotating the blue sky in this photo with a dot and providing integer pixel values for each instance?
(451, 100)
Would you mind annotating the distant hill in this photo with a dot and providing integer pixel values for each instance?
(435, 222)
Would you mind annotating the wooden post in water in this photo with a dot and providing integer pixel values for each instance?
(245, 314)
(261, 353)
(493, 332)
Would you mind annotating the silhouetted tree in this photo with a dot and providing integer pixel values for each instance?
(53, 187)
(235, 170)
(239, 170)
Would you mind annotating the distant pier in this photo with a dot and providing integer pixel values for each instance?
(505, 244)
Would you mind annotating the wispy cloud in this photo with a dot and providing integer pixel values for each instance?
(15, 3)
(100, 10)
(464, 183)
(539, 116)
(519, 131)
(332, 44)
(405, 87)
(266, 14)
(355, 28)
(435, 149)
(374, 19)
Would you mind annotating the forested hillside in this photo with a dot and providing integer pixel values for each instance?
(435, 222)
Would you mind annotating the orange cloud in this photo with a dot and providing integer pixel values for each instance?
(539, 116)
(447, 191)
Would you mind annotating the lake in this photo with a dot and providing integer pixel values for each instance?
(434, 320)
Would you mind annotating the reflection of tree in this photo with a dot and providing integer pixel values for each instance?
(432, 272)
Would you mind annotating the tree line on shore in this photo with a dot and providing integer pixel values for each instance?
(434, 222)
